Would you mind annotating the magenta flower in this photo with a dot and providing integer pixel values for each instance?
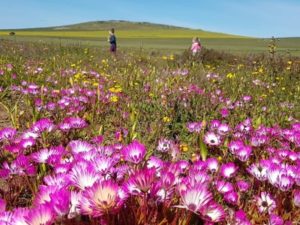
(265, 203)
(7, 133)
(212, 139)
(242, 185)
(231, 197)
(241, 218)
(41, 214)
(212, 164)
(258, 171)
(2, 205)
(213, 213)
(228, 170)
(195, 198)
(224, 187)
(103, 197)
(164, 145)
(79, 146)
(134, 152)
(42, 125)
(276, 220)
(243, 153)
(296, 198)
(83, 176)
(195, 127)
(141, 181)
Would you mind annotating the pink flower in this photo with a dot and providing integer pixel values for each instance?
(134, 152)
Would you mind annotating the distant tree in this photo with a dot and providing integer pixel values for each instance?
(12, 33)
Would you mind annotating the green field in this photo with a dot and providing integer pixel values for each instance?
(148, 36)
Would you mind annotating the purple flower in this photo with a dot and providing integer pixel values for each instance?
(2, 205)
(83, 176)
(195, 127)
(265, 203)
(213, 213)
(243, 153)
(44, 124)
(41, 214)
(103, 197)
(141, 181)
(164, 145)
(80, 146)
(224, 187)
(296, 198)
(258, 171)
(212, 139)
(275, 220)
(7, 133)
(231, 197)
(134, 152)
(241, 218)
(195, 198)
(223, 129)
(212, 164)
(242, 185)
(235, 145)
(224, 112)
(228, 170)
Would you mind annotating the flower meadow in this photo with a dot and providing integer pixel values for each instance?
(146, 138)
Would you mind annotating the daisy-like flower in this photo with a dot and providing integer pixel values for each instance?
(195, 198)
(223, 129)
(41, 214)
(235, 146)
(103, 164)
(243, 153)
(42, 155)
(242, 185)
(60, 202)
(164, 145)
(44, 194)
(7, 133)
(79, 146)
(60, 180)
(155, 162)
(75, 203)
(84, 176)
(231, 197)
(212, 164)
(141, 181)
(42, 125)
(212, 139)
(195, 127)
(213, 213)
(285, 182)
(228, 170)
(224, 187)
(265, 203)
(134, 152)
(26, 143)
(103, 197)
(258, 171)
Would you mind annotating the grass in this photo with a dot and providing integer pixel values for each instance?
(148, 36)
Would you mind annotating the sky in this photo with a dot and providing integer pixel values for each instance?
(256, 18)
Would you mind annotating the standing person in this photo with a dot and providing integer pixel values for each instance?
(196, 46)
(113, 41)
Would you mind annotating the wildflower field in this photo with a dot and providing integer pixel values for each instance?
(148, 138)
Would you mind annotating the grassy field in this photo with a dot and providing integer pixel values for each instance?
(148, 36)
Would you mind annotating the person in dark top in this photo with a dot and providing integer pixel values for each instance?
(112, 40)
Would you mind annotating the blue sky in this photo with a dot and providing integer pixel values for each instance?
(259, 18)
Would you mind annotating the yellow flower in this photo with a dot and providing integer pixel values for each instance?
(116, 89)
(166, 119)
(283, 88)
(290, 62)
(184, 147)
(260, 70)
(164, 57)
(73, 65)
(220, 158)
(264, 95)
(114, 98)
(95, 84)
(151, 95)
(230, 75)
(171, 57)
